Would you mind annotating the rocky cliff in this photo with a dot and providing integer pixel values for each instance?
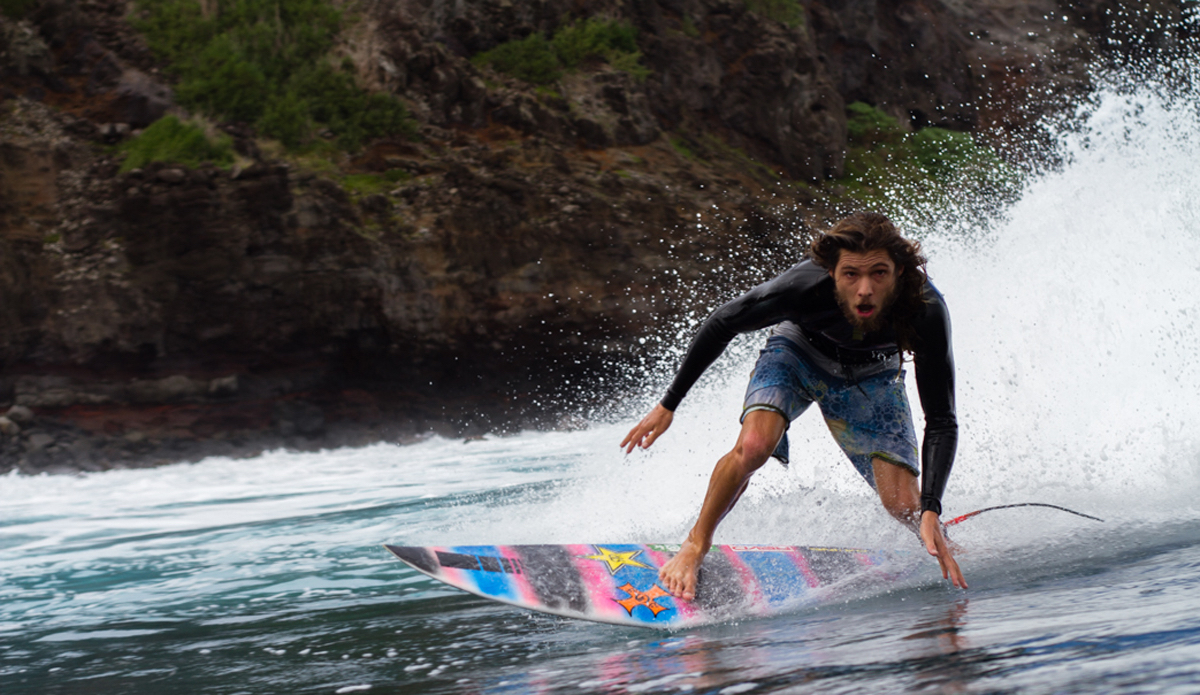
(529, 245)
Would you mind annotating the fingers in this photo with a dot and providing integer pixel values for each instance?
(951, 571)
(636, 439)
(936, 545)
(648, 430)
(947, 562)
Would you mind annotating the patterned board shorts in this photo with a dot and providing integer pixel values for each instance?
(869, 418)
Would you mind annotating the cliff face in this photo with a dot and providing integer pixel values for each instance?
(533, 237)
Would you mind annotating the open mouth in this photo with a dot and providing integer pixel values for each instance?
(864, 310)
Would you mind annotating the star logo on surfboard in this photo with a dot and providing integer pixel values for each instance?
(616, 560)
(642, 598)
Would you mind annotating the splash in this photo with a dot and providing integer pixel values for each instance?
(1075, 326)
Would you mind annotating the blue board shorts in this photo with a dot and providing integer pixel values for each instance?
(869, 418)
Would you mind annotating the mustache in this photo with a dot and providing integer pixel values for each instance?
(877, 320)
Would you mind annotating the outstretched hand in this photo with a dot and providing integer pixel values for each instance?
(935, 542)
(649, 429)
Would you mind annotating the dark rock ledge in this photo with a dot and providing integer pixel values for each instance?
(536, 250)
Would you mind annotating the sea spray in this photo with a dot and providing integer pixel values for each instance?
(1074, 317)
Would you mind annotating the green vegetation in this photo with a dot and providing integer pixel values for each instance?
(538, 60)
(16, 9)
(689, 28)
(171, 140)
(370, 184)
(547, 93)
(750, 165)
(266, 63)
(787, 12)
(531, 59)
(681, 147)
(886, 164)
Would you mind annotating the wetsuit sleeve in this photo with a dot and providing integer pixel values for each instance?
(934, 362)
(765, 305)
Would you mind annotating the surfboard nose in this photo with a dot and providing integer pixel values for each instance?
(420, 558)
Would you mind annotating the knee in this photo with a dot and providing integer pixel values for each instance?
(753, 450)
(897, 488)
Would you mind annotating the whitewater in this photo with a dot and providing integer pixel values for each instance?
(1075, 333)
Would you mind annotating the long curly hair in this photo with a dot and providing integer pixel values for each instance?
(870, 231)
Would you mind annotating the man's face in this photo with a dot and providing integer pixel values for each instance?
(865, 286)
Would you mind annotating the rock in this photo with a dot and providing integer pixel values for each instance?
(24, 51)
(9, 428)
(172, 176)
(58, 392)
(298, 417)
(39, 442)
(377, 204)
(20, 414)
(170, 389)
(114, 132)
(140, 99)
(223, 386)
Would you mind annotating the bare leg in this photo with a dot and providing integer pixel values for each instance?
(760, 434)
(898, 490)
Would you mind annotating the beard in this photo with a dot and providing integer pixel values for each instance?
(877, 320)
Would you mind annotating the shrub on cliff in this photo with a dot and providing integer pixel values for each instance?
(16, 9)
(267, 63)
(885, 163)
(171, 140)
(786, 12)
(539, 60)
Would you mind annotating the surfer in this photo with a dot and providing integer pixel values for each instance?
(842, 319)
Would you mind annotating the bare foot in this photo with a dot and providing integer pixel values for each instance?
(678, 576)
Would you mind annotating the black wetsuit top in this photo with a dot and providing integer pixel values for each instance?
(805, 296)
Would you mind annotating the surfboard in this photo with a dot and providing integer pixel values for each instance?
(618, 583)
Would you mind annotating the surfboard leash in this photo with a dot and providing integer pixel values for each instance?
(964, 517)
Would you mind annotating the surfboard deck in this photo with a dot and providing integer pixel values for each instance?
(618, 583)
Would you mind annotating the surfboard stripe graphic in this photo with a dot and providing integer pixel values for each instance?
(777, 575)
(618, 583)
(797, 556)
(720, 585)
(457, 561)
(520, 581)
(598, 580)
(831, 564)
(750, 586)
(551, 572)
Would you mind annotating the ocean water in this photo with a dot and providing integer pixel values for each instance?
(1075, 320)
